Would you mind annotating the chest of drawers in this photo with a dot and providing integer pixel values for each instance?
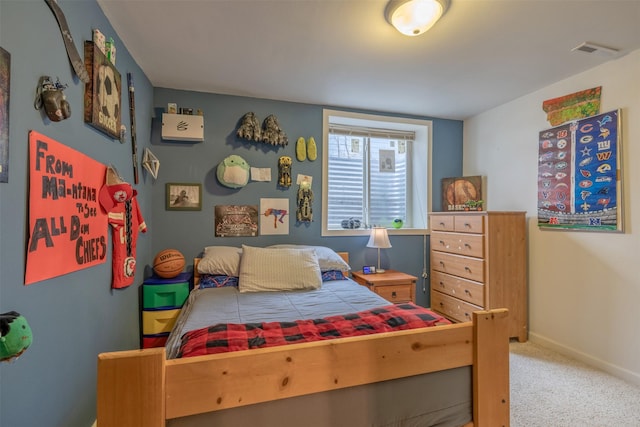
(478, 262)
(161, 303)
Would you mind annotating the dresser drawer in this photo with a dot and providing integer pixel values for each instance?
(442, 222)
(463, 289)
(453, 308)
(462, 266)
(395, 294)
(458, 243)
(158, 321)
(469, 224)
(169, 295)
(151, 341)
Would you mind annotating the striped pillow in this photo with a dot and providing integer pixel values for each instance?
(278, 269)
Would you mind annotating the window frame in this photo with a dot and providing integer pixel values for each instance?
(423, 129)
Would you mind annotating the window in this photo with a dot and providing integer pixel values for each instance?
(375, 169)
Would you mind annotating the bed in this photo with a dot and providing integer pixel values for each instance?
(459, 371)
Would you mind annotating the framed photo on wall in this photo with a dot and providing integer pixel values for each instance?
(580, 175)
(236, 220)
(183, 196)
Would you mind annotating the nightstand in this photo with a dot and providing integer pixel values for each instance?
(391, 285)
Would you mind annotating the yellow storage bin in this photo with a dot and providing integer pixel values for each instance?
(158, 321)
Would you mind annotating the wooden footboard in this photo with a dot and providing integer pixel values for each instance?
(141, 389)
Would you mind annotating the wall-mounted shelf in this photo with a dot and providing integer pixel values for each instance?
(182, 127)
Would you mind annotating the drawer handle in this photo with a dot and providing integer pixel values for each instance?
(442, 242)
(393, 294)
(466, 291)
(441, 304)
(442, 224)
(466, 224)
(442, 263)
(467, 269)
(466, 245)
(441, 284)
(467, 316)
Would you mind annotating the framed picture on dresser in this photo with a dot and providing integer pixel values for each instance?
(462, 192)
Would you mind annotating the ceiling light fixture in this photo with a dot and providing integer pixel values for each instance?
(414, 17)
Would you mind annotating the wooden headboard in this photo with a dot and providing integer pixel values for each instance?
(196, 273)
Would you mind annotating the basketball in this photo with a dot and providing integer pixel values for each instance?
(168, 263)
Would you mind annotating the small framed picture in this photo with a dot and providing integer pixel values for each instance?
(183, 196)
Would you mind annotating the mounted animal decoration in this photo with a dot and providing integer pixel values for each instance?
(272, 133)
(269, 133)
(250, 128)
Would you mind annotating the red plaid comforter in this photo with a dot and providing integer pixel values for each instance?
(225, 337)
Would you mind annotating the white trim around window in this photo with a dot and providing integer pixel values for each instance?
(421, 171)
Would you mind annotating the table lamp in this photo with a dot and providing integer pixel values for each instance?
(379, 239)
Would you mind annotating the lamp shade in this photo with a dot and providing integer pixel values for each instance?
(414, 17)
(379, 238)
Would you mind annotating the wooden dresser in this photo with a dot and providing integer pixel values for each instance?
(479, 262)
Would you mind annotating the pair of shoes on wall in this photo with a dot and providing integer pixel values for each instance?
(306, 150)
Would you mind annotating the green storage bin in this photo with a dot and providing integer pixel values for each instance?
(164, 296)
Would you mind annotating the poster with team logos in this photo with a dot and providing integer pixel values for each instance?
(579, 175)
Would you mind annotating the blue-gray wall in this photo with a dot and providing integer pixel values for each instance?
(77, 316)
(190, 231)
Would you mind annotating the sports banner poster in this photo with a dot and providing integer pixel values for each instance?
(580, 175)
(67, 228)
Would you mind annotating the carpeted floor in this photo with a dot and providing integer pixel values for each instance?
(551, 390)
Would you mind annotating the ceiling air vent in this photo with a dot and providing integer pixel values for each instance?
(592, 48)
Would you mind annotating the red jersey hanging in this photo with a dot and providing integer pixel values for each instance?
(118, 199)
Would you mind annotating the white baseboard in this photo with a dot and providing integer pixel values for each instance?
(624, 374)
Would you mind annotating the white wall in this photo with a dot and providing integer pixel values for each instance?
(584, 287)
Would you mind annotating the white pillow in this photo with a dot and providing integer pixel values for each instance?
(278, 269)
(327, 257)
(220, 260)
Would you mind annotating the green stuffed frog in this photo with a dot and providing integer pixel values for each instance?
(15, 335)
(233, 172)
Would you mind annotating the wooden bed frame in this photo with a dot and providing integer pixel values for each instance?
(140, 388)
